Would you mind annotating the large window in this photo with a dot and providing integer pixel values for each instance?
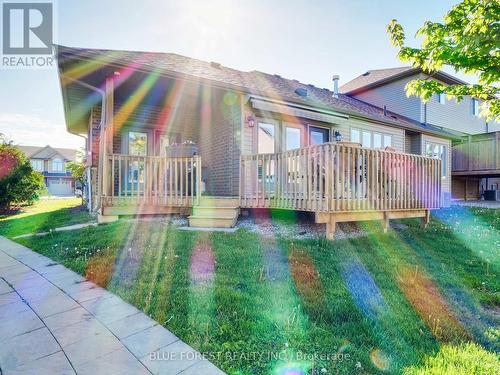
(37, 164)
(438, 151)
(318, 136)
(266, 138)
(137, 146)
(57, 165)
(292, 138)
(137, 143)
(370, 139)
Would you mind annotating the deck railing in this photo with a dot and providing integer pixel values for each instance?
(333, 177)
(151, 180)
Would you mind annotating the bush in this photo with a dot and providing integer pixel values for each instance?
(465, 359)
(19, 183)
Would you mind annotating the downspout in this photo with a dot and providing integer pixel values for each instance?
(101, 134)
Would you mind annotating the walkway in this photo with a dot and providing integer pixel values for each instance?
(478, 203)
(54, 321)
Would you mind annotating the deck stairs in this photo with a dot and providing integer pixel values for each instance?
(215, 212)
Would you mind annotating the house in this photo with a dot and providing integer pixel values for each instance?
(51, 163)
(473, 159)
(168, 133)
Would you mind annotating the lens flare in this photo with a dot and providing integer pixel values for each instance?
(380, 360)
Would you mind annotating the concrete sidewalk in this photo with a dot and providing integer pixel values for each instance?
(54, 321)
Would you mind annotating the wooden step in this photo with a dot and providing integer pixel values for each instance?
(226, 221)
(214, 211)
(212, 201)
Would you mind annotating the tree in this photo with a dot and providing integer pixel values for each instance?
(469, 41)
(19, 183)
(77, 170)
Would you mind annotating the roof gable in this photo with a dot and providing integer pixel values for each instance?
(48, 152)
(378, 77)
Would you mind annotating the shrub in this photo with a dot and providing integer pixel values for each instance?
(19, 183)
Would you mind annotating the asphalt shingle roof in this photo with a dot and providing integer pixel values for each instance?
(47, 152)
(252, 82)
(371, 77)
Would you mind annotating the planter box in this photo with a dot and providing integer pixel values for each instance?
(181, 151)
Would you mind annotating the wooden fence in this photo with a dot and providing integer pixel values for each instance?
(152, 180)
(340, 178)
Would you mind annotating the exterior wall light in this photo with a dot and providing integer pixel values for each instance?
(338, 136)
(250, 121)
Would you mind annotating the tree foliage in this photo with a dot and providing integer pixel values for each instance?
(19, 183)
(469, 41)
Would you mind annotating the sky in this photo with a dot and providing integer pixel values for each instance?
(305, 40)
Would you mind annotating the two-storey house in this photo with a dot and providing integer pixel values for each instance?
(471, 161)
(51, 163)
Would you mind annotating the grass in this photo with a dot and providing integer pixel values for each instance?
(407, 301)
(44, 215)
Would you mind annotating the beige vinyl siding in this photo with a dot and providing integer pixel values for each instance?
(393, 96)
(454, 115)
(445, 182)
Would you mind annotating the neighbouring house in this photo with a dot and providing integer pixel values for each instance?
(51, 163)
(171, 134)
(474, 156)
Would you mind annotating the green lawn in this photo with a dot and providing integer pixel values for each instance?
(407, 301)
(46, 214)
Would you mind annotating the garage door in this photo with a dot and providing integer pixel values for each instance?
(60, 186)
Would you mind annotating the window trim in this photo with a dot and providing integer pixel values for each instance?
(443, 149)
(441, 98)
(277, 133)
(475, 107)
(53, 169)
(372, 133)
(327, 128)
(41, 161)
(291, 125)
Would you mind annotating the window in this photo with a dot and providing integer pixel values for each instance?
(292, 138)
(475, 107)
(137, 143)
(377, 140)
(387, 140)
(266, 138)
(370, 139)
(355, 136)
(57, 165)
(37, 164)
(318, 136)
(367, 139)
(441, 98)
(437, 151)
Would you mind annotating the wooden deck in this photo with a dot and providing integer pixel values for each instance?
(337, 182)
(342, 183)
(150, 184)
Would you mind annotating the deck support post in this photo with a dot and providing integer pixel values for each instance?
(331, 227)
(385, 222)
(426, 219)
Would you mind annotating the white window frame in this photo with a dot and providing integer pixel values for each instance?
(438, 151)
(441, 98)
(37, 164)
(475, 107)
(57, 161)
(383, 138)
